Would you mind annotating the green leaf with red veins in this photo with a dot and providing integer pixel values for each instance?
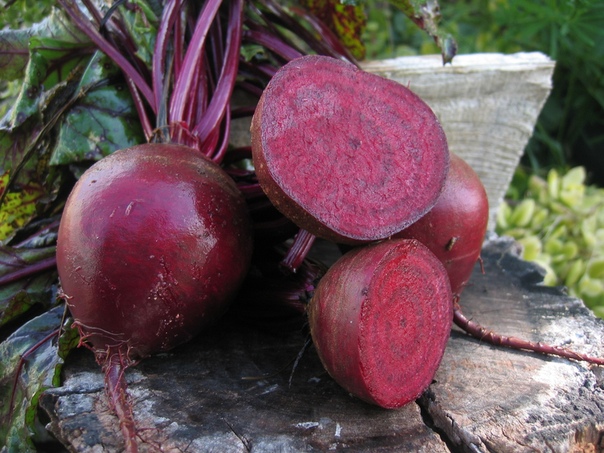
(53, 52)
(14, 53)
(19, 296)
(50, 62)
(101, 122)
(346, 20)
(27, 185)
(23, 382)
(15, 43)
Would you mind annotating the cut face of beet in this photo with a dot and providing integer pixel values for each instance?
(347, 155)
(380, 320)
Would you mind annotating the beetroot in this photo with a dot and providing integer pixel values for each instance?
(169, 241)
(380, 319)
(454, 229)
(347, 155)
(153, 243)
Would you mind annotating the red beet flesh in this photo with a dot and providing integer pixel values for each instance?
(347, 155)
(380, 319)
(454, 229)
(153, 243)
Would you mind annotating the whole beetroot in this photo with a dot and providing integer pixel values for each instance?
(165, 250)
(454, 229)
(153, 243)
(380, 319)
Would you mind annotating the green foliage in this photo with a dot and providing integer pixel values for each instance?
(23, 13)
(571, 33)
(559, 221)
(101, 122)
(19, 296)
(389, 33)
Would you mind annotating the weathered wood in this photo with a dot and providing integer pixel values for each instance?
(487, 104)
(491, 399)
(228, 390)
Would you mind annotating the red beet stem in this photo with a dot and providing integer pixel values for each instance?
(193, 58)
(169, 16)
(299, 249)
(272, 43)
(330, 44)
(29, 270)
(483, 334)
(84, 24)
(220, 100)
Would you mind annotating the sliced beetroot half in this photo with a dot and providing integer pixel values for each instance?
(380, 319)
(347, 155)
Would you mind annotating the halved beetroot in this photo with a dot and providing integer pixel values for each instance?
(380, 319)
(347, 155)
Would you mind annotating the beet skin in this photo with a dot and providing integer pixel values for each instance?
(153, 243)
(380, 319)
(347, 155)
(454, 229)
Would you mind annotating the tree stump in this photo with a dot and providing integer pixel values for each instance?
(235, 388)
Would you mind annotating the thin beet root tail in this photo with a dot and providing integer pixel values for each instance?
(483, 334)
(114, 367)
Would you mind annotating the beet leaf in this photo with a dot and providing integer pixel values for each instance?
(24, 376)
(15, 43)
(101, 122)
(27, 278)
(346, 20)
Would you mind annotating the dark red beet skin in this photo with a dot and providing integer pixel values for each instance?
(153, 243)
(454, 229)
(347, 155)
(380, 319)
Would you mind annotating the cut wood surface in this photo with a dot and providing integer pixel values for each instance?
(233, 389)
